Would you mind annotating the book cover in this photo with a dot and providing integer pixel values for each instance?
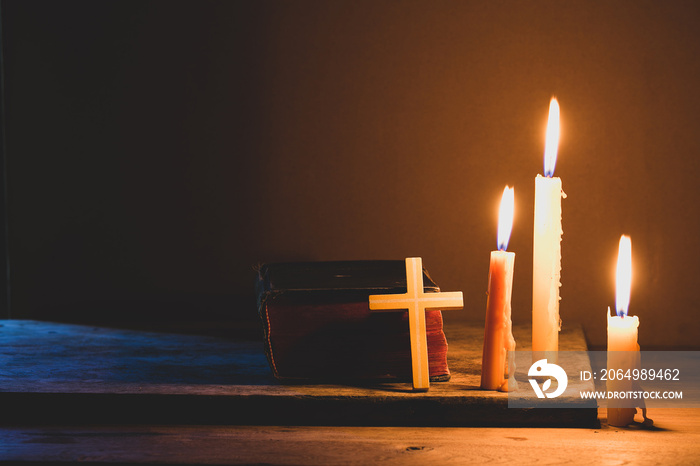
(318, 326)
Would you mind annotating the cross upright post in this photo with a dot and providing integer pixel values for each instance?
(416, 301)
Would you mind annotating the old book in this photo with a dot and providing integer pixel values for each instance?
(318, 325)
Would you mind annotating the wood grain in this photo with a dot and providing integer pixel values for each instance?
(675, 440)
(73, 370)
(60, 373)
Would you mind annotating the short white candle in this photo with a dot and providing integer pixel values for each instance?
(623, 349)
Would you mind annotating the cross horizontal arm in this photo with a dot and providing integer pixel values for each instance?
(386, 302)
(448, 300)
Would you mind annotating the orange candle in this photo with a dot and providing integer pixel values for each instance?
(498, 335)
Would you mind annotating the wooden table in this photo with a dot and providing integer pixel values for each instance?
(675, 440)
(90, 394)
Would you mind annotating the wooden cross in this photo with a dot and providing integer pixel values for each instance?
(416, 301)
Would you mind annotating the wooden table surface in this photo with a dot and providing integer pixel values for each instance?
(675, 439)
(55, 373)
(102, 437)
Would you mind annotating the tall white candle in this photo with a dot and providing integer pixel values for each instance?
(546, 254)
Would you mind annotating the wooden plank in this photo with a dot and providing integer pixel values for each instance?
(58, 373)
(674, 440)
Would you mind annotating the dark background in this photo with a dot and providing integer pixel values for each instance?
(157, 150)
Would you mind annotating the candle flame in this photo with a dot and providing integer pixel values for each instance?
(551, 144)
(624, 276)
(505, 218)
